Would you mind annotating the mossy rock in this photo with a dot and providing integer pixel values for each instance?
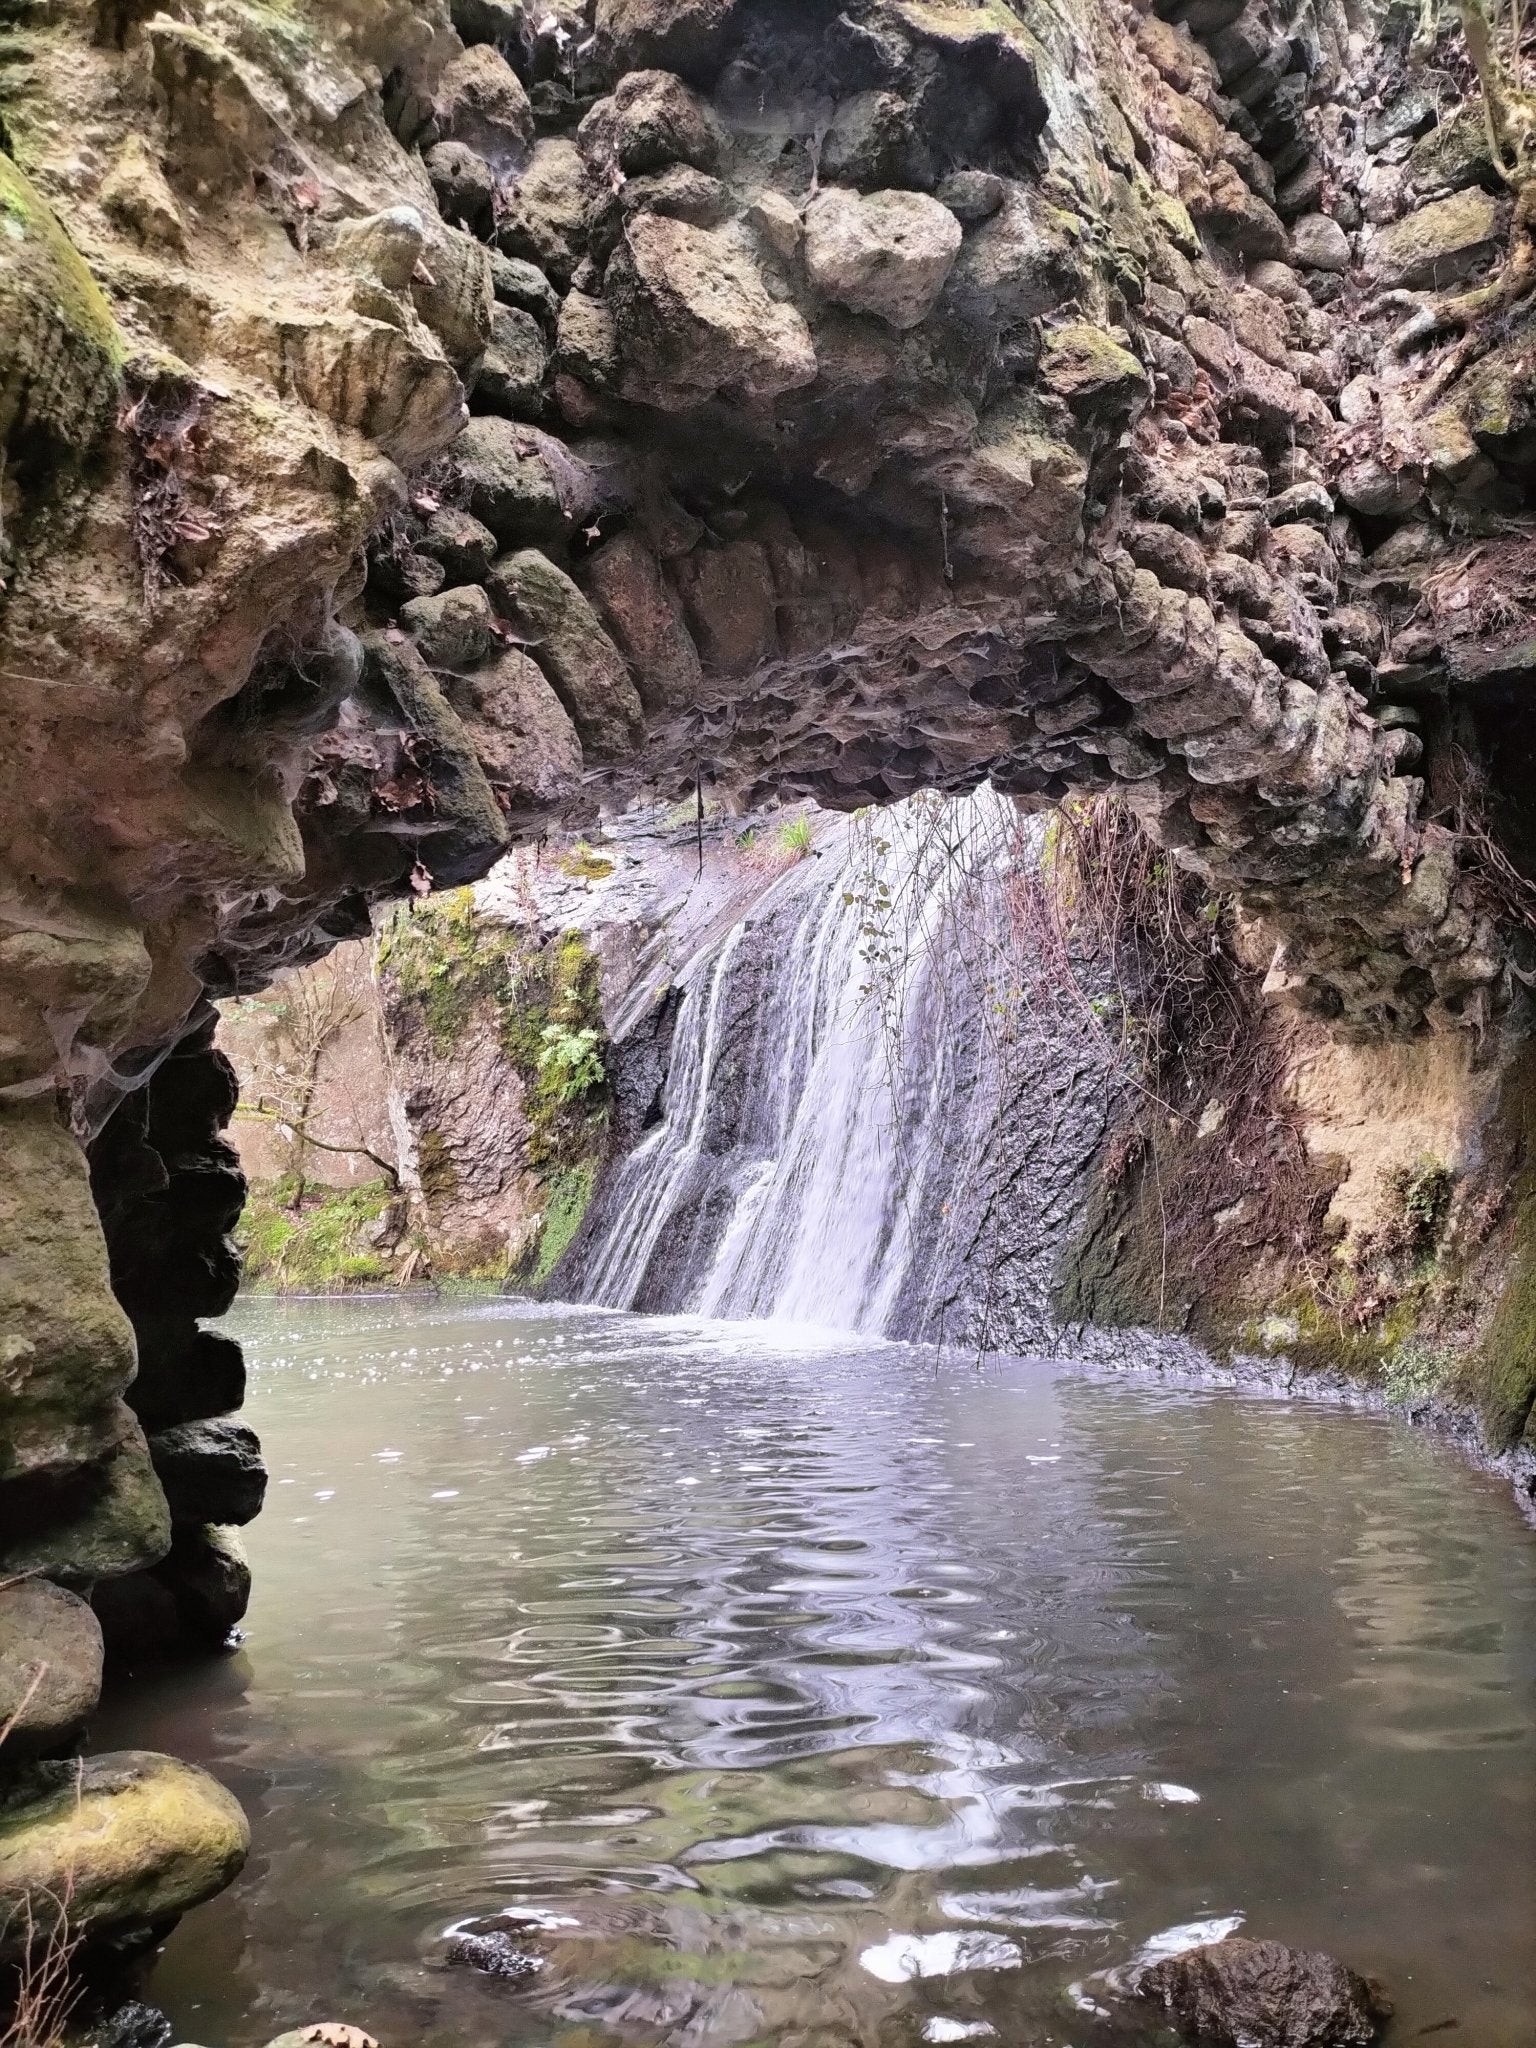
(116, 1522)
(66, 1347)
(63, 353)
(130, 1841)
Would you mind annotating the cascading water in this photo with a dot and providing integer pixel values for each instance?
(862, 1125)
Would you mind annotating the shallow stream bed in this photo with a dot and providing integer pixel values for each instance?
(836, 1694)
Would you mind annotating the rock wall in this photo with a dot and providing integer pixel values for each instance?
(420, 421)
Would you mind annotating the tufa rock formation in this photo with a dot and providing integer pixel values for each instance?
(423, 421)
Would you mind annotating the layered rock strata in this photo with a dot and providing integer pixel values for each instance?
(420, 422)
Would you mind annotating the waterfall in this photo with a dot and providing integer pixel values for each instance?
(861, 1126)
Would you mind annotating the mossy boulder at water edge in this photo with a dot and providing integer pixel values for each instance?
(123, 1843)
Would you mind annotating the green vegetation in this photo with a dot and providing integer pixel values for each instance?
(584, 863)
(570, 1063)
(794, 837)
(320, 1247)
(542, 999)
(569, 1192)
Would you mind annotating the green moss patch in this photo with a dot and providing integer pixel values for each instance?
(319, 1247)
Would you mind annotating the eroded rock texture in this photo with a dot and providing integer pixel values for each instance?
(421, 420)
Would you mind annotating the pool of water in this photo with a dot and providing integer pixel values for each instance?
(838, 1694)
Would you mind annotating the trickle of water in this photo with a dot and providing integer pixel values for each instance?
(853, 1080)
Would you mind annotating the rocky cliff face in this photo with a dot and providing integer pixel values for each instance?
(419, 422)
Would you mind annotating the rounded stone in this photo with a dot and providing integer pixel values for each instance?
(50, 1667)
(209, 1576)
(130, 1839)
(1380, 493)
(465, 547)
(453, 630)
(1318, 243)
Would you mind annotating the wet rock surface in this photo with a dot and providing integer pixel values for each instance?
(1260, 1994)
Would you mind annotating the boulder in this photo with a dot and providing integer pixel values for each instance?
(209, 1577)
(516, 282)
(461, 543)
(733, 605)
(570, 646)
(1319, 243)
(1439, 244)
(69, 1346)
(121, 1524)
(1261, 1994)
(587, 341)
(131, 1840)
(211, 1471)
(522, 735)
(1096, 375)
(874, 142)
(886, 253)
(972, 196)
(650, 120)
(185, 1374)
(1019, 263)
(480, 101)
(464, 185)
(680, 192)
(453, 630)
(676, 35)
(625, 582)
(694, 317)
(543, 214)
(490, 21)
(507, 481)
(451, 290)
(1368, 486)
(512, 372)
(50, 1668)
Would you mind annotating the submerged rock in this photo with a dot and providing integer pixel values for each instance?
(1261, 1994)
(130, 1840)
(133, 2025)
(497, 1955)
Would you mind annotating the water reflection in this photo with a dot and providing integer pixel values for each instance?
(838, 1695)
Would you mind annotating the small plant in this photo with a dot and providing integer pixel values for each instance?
(1422, 1194)
(584, 863)
(571, 1062)
(794, 837)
